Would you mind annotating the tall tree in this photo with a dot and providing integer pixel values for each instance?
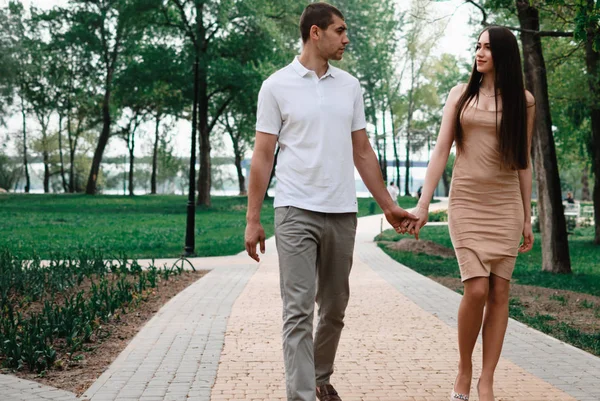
(150, 86)
(588, 30)
(8, 64)
(240, 128)
(226, 32)
(40, 90)
(555, 245)
(19, 42)
(374, 31)
(570, 104)
(106, 29)
(128, 133)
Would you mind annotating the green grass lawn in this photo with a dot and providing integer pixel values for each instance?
(137, 227)
(584, 261)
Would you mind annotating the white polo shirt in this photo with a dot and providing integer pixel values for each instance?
(314, 119)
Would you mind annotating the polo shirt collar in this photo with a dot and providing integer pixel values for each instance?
(302, 70)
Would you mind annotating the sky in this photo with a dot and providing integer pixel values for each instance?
(455, 40)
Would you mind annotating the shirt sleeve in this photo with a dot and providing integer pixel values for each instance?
(358, 120)
(268, 115)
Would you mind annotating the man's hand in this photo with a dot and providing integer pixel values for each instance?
(397, 216)
(254, 234)
(527, 238)
(413, 227)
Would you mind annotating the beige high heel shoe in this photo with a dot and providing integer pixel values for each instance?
(458, 397)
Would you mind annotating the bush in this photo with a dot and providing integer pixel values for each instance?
(439, 215)
(10, 172)
(46, 312)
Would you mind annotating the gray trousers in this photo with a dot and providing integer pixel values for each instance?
(315, 257)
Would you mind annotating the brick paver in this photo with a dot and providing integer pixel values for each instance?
(175, 356)
(391, 349)
(15, 389)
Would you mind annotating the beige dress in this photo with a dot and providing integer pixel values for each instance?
(485, 211)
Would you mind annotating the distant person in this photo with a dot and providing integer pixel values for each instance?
(315, 112)
(569, 198)
(491, 119)
(419, 191)
(393, 191)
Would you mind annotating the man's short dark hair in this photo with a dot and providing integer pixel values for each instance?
(319, 14)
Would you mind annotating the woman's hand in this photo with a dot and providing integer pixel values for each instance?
(422, 214)
(527, 238)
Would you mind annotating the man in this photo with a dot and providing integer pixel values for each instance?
(569, 197)
(316, 113)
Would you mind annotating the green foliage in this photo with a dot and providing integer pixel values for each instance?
(10, 171)
(561, 330)
(438, 216)
(145, 226)
(69, 318)
(368, 206)
(8, 65)
(141, 227)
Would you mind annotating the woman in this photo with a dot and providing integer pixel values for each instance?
(491, 120)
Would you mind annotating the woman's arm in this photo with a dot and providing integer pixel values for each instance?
(439, 158)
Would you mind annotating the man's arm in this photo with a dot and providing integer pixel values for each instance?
(260, 172)
(367, 165)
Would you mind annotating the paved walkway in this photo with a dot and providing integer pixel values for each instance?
(220, 340)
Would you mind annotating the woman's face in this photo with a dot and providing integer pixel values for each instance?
(483, 55)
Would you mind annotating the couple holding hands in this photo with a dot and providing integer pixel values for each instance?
(316, 113)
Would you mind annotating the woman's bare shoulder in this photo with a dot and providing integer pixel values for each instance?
(529, 98)
(455, 93)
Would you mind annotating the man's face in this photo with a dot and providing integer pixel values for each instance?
(333, 40)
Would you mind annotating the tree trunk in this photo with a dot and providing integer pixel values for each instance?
(592, 61)
(238, 166)
(585, 185)
(384, 161)
(131, 148)
(25, 162)
(395, 137)
(60, 153)
(446, 182)
(555, 245)
(409, 116)
(72, 140)
(376, 136)
(71, 150)
(408, 128)
(378, 147)
(407, 166)
(45, 155)
(204, 176)
(103, 140)
(272, 172)
(155, 156)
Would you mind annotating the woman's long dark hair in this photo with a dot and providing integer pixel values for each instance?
(512, 135)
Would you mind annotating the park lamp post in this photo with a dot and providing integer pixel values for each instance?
(190, 226)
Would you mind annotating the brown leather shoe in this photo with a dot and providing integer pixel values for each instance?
(326, 392)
